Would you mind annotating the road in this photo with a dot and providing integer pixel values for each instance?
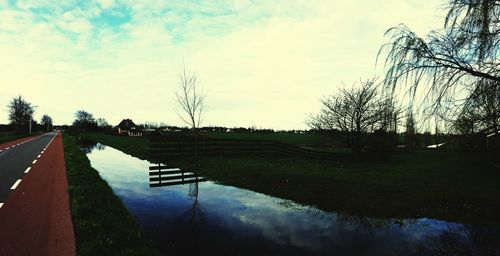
(16, 159)
(35, 217)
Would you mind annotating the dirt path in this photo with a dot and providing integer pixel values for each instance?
(36, 218)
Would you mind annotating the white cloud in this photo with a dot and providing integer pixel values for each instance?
(264, 64)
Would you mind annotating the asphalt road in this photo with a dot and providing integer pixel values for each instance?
(15, 161)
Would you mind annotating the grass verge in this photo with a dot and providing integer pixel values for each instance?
(101, 222)
(5, 137)
(436, 184)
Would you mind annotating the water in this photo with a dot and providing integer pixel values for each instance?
(213, 219)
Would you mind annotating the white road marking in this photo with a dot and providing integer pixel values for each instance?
(38, 156)
(6, 148)
(1, 204)
(34, 161)
(27, 170)
(16, 184)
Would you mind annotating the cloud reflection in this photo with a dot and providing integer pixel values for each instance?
(234, 220)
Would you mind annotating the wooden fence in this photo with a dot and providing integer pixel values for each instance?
(161, 175)
(176, 147)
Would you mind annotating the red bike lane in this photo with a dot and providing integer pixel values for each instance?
(36, 219)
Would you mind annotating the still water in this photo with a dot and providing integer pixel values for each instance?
(210, 219)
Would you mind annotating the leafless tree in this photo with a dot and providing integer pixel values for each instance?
(459, 56)
(190, 99)
(481, 110)
(355, 112)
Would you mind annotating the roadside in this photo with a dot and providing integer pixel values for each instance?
(434, 184)
(102, 224)
(8, 141)
(35, 219)
(6, 137)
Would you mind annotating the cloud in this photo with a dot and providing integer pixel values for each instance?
(262, 63)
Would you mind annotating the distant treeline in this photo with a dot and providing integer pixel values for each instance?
(10, 128)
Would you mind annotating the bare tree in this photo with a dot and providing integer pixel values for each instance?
(46, 121)
(190, 99)
(20, 112)
(356, 112)
(459, 56)
(480, 111)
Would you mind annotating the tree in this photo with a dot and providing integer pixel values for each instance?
(47, 122)
(20, 112)
(411, 130)
(482, 107)
(462, 55)
(356, 112)
(103, 124)
(190, 99)
(85, 121)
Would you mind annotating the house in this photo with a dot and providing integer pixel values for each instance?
(128, 127)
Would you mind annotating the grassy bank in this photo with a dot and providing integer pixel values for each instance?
(4, 137)
(102, 224)
(437, 184)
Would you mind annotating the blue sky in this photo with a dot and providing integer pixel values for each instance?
(262, 63)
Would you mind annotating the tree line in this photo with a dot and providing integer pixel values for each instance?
(21, 119)
(456, 67)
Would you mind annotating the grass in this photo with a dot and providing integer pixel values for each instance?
(5, 137)
(437, 184)
(285, 137)
(101, 222)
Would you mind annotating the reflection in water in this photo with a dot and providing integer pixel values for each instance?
(211, 219)
(87, 145)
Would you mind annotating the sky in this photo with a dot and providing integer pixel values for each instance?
(261, 63)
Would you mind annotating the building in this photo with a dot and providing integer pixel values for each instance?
(128, 127)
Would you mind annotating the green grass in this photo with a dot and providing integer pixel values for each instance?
(5, 137)
(101, 222)
(310, 140)
(436, 184)
(290, 138)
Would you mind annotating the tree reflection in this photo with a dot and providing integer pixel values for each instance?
(88, 145)
(194, 218)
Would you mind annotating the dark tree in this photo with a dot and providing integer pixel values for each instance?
(20, 113)
(103, 124)
(355, 112)
(46, 122)
(85, 121)
(411, 130)
(482, 107)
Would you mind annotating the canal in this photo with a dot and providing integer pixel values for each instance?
(206, 218)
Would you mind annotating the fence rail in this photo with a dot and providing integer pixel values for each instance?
(172, 147)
